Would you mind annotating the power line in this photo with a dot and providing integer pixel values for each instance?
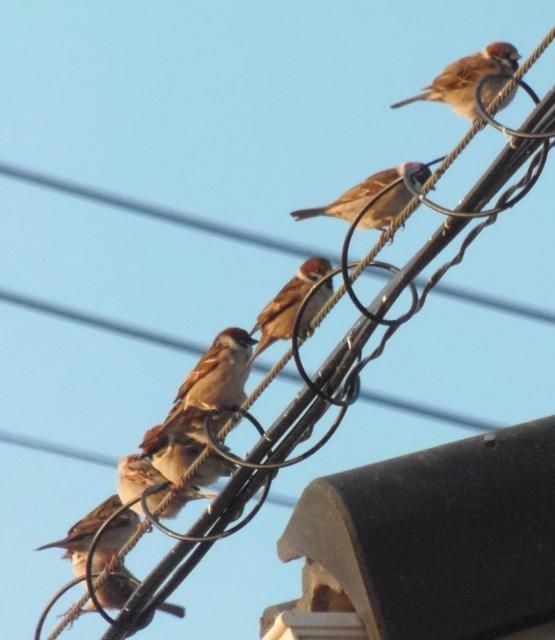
(101, 459)
(96, 321)
(237, 234)
(45, 446)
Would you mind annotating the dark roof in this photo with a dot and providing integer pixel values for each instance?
(457, 541)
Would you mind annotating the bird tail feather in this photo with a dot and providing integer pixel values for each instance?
(301, 214)
(263, 344)
(51, 545)
(173, 609)
(402, 103)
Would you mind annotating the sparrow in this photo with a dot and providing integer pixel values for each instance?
(277, 320)
(136, 473)
(81, 534)
(172, 454)
(193, 428)
(214, 384)
(383, 211)
(456, 85)
(118, 586)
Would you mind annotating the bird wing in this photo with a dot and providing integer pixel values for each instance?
(92, 521)
(153, 439)
(206, 364)
(369, 187)
(464, 71)
(291, 294)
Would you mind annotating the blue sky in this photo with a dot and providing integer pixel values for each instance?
(240, 112)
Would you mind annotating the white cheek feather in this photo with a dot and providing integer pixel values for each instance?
(302, 276)
(506, 66)
(230, 343)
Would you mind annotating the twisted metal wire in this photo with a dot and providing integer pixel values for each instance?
(386, 237)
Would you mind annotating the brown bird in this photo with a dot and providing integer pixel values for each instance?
(277, 320)
(218, 379)
(81, 534)
(383, 211)
(118, 586)
(216, 383)
(172, 454)
(186, 428)
(456, 85)
(136, 473)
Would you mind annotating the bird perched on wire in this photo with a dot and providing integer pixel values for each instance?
(218, 379)
(136, 473)
(456, 85)
(118, 586)
(385, 209)
(116, 534)
(277, 320)
(172, 454)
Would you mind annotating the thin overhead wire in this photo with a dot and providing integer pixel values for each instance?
(57, 449)
(96, 321)
(253, 238)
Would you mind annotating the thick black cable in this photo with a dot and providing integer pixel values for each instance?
(237, 234)
(96, 321)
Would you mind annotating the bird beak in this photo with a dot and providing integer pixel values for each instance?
(252, 340)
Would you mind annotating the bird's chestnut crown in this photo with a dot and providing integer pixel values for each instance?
(314, 268)
(239, 336)
(504, 52)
